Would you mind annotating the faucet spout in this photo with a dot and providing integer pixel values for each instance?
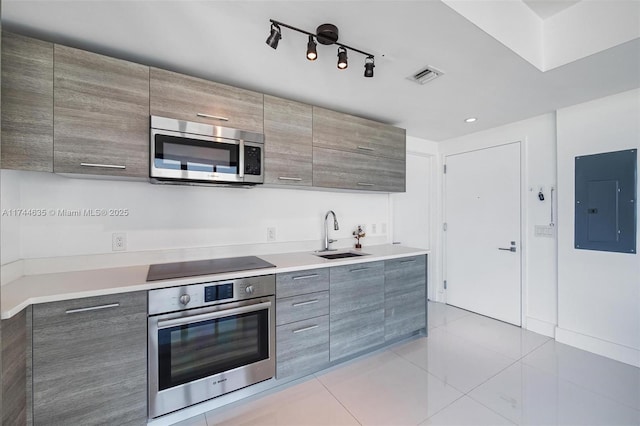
(327, 240)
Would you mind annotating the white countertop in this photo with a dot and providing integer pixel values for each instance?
(34, 289)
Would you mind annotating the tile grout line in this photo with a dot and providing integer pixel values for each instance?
(338, 400)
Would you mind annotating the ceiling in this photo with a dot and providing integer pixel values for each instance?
(547, 8)
(225, 41)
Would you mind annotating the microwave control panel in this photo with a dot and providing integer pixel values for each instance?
(252, 160)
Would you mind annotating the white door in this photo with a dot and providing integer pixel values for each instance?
(482, 238)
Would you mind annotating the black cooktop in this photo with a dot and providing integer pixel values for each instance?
(164, 271)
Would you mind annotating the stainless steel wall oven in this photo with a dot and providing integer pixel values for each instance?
(209, 339)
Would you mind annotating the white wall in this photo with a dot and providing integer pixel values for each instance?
(9, 224)
(538, 136)
(172, 217)
(415, 212)
(598, 292)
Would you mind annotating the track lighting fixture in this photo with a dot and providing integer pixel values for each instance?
(326, 34)
(342, 58)
(368, 66)
(312, 54)
(274, 37)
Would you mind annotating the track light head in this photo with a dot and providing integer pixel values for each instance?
(342, 58)
(368, 66)
(312, 54)
(274, 37)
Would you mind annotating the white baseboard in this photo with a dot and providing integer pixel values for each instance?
(541, 327)
(598, 346)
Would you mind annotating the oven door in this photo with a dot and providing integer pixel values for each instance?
(199, 354)
(177, 155)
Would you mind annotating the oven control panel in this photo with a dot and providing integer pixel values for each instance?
(191, 296)
(218, 292)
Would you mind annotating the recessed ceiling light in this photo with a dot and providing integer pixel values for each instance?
(470, 120)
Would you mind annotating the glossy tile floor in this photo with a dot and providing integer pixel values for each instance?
(471, 370)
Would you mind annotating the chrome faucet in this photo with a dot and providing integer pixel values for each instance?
(328, 240)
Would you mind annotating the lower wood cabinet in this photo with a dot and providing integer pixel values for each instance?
(357, 308)
(404, 296)
(302, 322)
(90, 361)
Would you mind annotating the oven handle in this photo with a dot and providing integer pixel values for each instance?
(213, 315)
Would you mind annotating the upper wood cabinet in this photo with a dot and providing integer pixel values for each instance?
(346, 132)
(27, 103)
(101, 114)
(288, 142)
(193, 99)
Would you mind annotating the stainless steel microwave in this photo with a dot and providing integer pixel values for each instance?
(198, 153)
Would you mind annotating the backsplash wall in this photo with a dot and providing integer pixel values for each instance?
(160, 217)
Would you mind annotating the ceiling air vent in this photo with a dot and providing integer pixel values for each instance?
(426, 75)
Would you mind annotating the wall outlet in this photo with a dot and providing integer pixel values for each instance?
(374, 228)
(271, 233)
(118, 241)
(383, 227)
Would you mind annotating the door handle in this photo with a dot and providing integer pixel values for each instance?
(511, 249)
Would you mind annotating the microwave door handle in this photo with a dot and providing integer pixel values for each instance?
(241, 159)
(213, 315)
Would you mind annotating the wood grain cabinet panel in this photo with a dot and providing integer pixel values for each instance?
(288, 142)
(27, 103)
(336, 130)
(405, 296)
(183, 97)
(101, 114)
(356, 308)
(302, 282)
(333, 168)
(90, 365)
(16, 369)
(302, 347)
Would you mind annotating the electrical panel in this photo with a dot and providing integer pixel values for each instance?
(606, 201)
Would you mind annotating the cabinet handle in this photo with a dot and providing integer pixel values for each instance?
(408, 261)
(365, 148)
(358, 269)
(214, 117)
(104, 166)
(365, 184)
(92, 308)
(308, 302)
(300, 330)
(290, 178)
(304, 277)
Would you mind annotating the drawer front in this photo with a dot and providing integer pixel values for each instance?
(302, 347)
(302, 282)
(305, 306)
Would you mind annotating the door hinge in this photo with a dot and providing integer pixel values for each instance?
(445, 169)
(445, 284)
(444, 226)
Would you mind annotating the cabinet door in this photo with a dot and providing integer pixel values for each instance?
(333, 168)
(302, 347)
(189, 98)
(356, 296)
(346, 132)
(27, 103)
(404, 296)
(101, 115)
(287, 131)
(90, 361)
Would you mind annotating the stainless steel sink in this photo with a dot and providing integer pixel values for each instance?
(340, 255)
